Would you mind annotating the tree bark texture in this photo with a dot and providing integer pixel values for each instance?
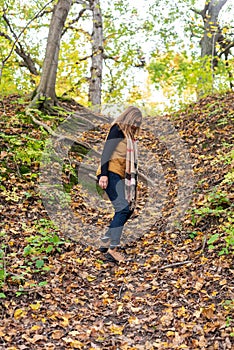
(95, 85)
(46, 87)
(210, 15)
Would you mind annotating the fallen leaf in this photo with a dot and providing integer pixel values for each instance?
(19, 313)
(58, 334)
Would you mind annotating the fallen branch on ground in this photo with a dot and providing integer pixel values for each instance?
(180, 263)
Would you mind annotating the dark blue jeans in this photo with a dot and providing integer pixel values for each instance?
(115, 191)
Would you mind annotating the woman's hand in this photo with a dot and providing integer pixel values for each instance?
(103, 182)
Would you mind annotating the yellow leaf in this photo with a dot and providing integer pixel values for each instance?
(77, 344)
(170, 333)
(183, 346)
(181, 311)
(120, 308)
(223, 282)
(203, 260)
(91, 278)
(80, 261)
(116, 329)
(35, 328)
(65, 321)
(19, 313)
(35, 306)
(100, 339)
(28, 283)
(87, 249)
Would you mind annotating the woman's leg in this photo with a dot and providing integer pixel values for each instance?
(115, 191)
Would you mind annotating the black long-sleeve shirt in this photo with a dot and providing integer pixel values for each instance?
(114, 137)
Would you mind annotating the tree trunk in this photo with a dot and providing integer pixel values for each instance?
(210, 15)
(45, 93)
(97, 54)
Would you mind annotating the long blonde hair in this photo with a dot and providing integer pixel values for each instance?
(127, 119)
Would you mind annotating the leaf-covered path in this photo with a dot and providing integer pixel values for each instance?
(175, 293)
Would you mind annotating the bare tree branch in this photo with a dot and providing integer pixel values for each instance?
(75, 20)
(18, 36)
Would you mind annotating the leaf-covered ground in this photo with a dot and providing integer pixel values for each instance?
(177, 290)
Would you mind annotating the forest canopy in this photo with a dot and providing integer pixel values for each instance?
(111, 51)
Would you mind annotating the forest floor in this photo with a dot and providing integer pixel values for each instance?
(176, 292)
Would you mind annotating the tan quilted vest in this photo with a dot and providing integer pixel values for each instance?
(117, 163)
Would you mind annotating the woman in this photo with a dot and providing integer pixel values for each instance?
(117, 175)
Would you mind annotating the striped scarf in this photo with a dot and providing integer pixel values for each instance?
(131, 172)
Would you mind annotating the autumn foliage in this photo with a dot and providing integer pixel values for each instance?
(176, 292)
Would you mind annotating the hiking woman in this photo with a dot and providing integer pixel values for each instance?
(117, 175)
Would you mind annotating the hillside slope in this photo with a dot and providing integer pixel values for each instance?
(177, 290)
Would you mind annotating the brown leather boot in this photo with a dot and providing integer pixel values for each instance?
(114, 256)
